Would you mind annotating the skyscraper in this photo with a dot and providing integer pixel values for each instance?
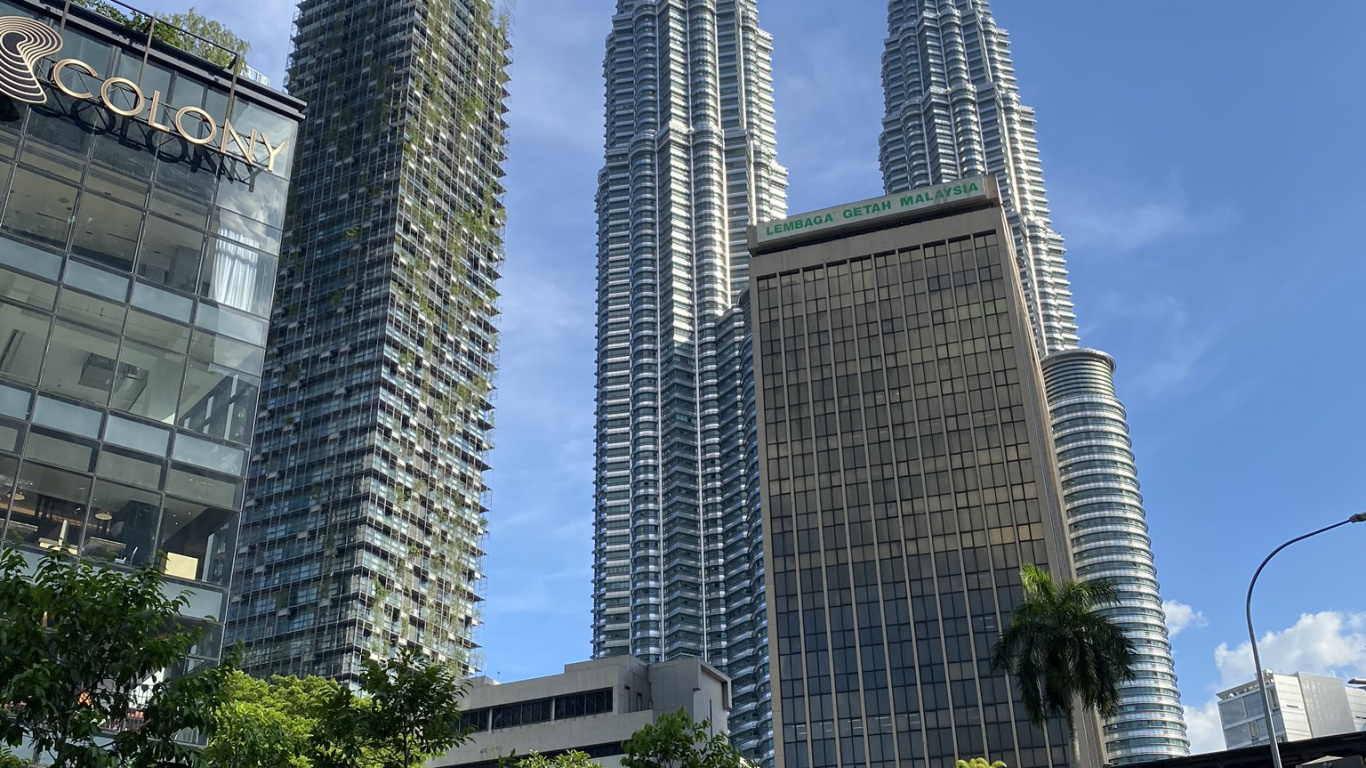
(907, 473)
(689, 164)
(367, 503)
(953, 110)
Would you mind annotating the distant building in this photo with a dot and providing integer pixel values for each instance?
(906, 473)
(1304, 706)
(592, 707)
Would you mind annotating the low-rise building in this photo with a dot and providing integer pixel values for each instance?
(592, 707)
(1304, 706)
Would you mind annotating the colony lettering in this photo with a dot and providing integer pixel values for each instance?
(192, 124)
(964, 189)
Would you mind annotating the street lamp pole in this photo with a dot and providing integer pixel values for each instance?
(1252, 633)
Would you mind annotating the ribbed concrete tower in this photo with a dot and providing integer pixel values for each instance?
(953, 110)
(689, 164)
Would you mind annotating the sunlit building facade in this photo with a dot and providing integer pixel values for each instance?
(953, 110)
(689, 163)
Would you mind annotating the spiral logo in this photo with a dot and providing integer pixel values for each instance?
(22, 42)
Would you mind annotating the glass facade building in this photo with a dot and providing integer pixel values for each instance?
(907, 473)
(143, 194)
(953, 110)
(367, 503)
(689, 163)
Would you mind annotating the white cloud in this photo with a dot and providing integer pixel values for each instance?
(1327, 643)
(1330, 642)
(1204, 729)
(1181, 616)
(1104, 220)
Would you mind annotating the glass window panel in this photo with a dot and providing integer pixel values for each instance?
(151, 78)
(89, 310)
(169, 254)
(247, 231)
(136, 435)
(48, 507)
(261, 197)
(80, 362)
(23, 337)
(57, 162)
(248, 117)
(225, 352)
(52, 123)
(123, 524)
(40, 208)
(78, 45)
(126, 150)
(218, 401)
(25, 257)
(9, 134)
(189, 203)
(9, 435)
(162, 302)
(186, 92)
(149, 382)
(197, 541)
(239, 277)
(107, 232)
(209, 455)
(159, 332)
(67, 417)
(26, 290)
(61, 450)
(128, 468)
(14, 402)
(95, 280)
(230, 323)
(203, 486)
(8, 467)
(117, 186)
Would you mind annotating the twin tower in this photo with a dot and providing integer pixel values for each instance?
(826, 498)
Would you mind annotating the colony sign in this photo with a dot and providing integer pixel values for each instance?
(882, 207)
(192, 124)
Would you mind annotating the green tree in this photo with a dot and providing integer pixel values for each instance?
(86, 649)
(171, 30)
(571, 759)
(978, 762)
(675, 741)
(405, 713)
(1060, 648)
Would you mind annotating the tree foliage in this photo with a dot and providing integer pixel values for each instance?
(171, 31)
(1058, 647)
(978, 762)
(86, 649)
(405, 713)
(676, 741)
(571, 759)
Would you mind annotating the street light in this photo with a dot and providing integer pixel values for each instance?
(1252, 633)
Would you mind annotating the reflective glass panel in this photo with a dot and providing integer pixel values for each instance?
(80, 362)
(197, 541)
(23, 336)
(123, 523)
(48, 507)
(40, 208)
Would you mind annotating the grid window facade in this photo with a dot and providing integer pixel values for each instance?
(901, 496)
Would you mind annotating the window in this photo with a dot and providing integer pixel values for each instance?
(106, 232)
(80, 362)
(196, 540)
(40, 208)
(23, 336)
(583, 704)
(123, 524)
(47, 507)
(169, 254)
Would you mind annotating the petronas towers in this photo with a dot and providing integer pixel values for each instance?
(690, 162)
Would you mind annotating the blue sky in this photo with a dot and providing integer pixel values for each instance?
(1204, 163)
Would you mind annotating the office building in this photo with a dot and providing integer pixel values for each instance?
(592, 708)
(1303, 706)
(367, 501)
(953, 110)
(907, 473)
(689, 163)
(142, 192)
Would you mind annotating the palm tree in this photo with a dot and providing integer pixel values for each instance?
(1059, 648)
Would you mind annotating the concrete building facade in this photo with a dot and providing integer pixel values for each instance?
(1304, 706)
(907, 472)
(592, 707)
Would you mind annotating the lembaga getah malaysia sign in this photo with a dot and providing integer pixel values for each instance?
(24, 41)
(971, 188)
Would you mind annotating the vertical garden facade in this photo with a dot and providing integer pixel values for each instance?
(368, 505)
